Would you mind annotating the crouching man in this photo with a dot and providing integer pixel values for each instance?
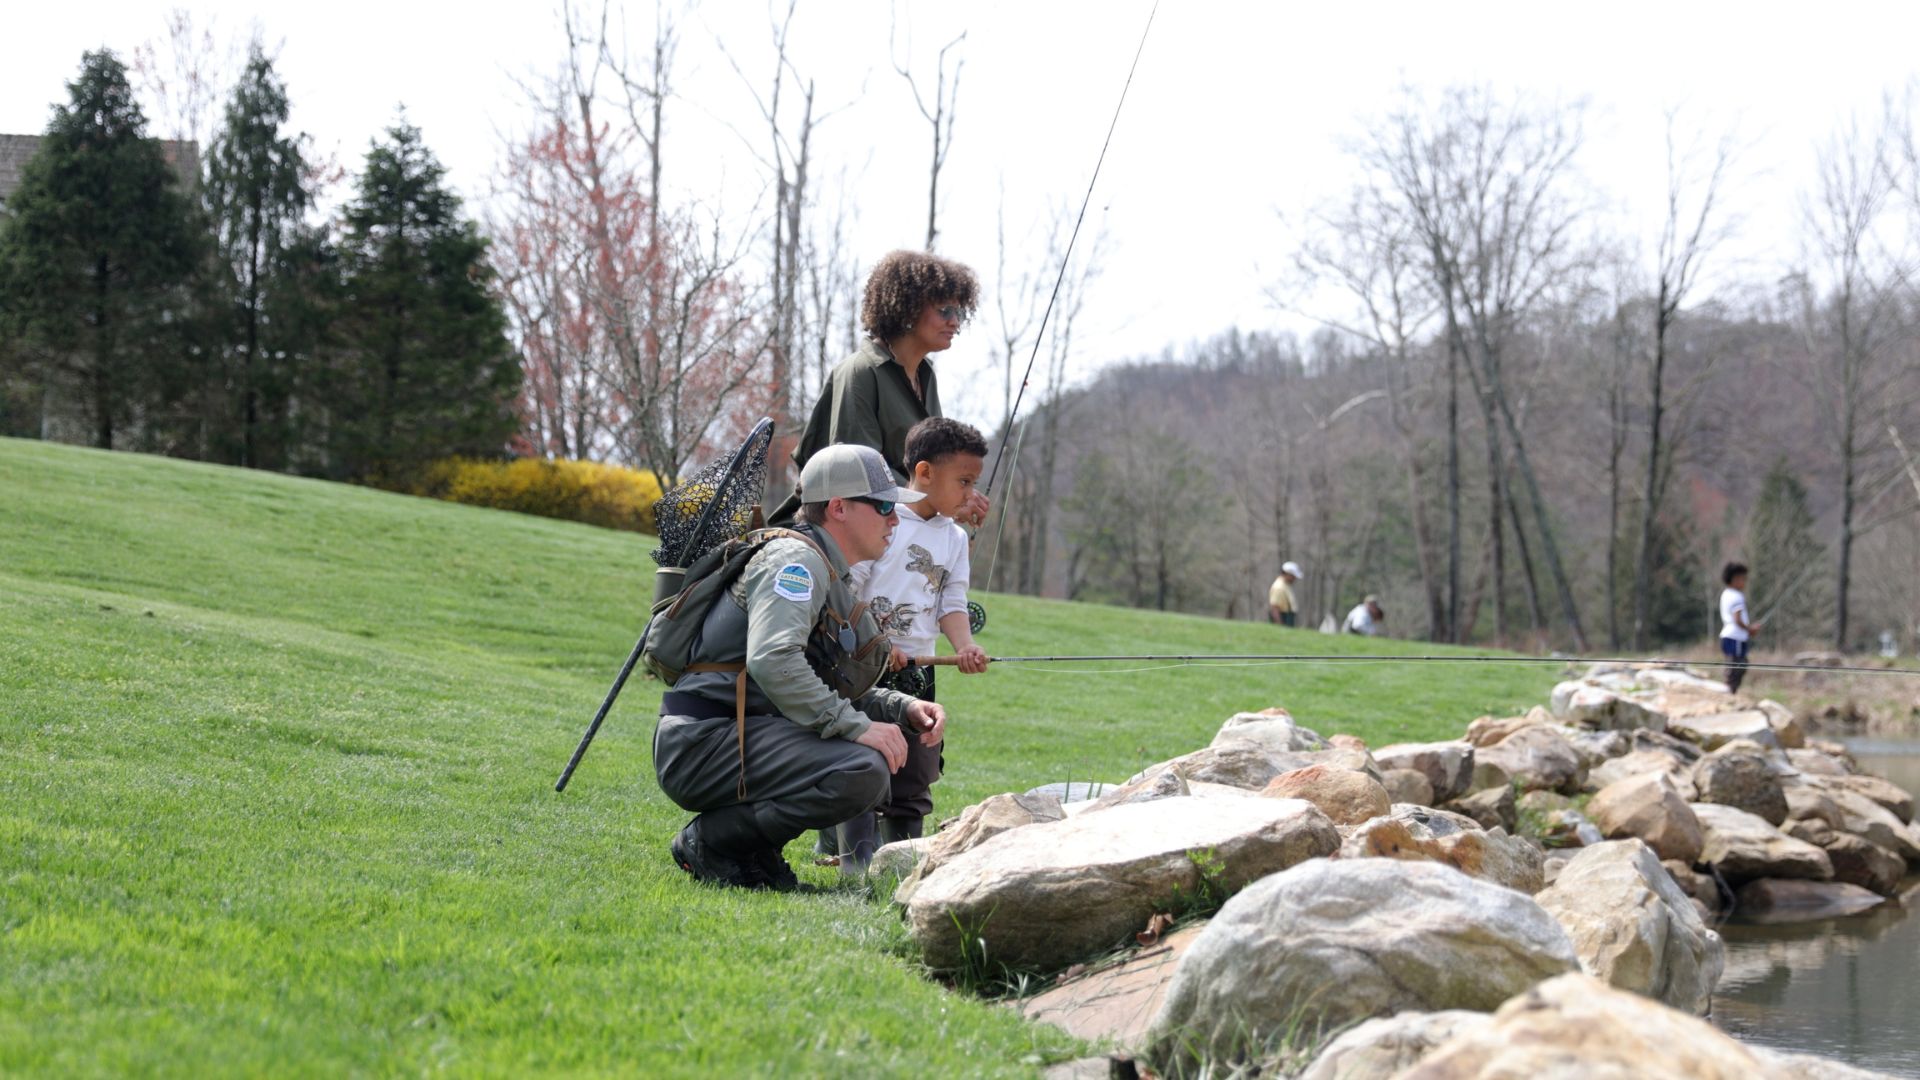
(774, 728)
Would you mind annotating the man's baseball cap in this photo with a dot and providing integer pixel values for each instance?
(1290, 568)
(850, 471)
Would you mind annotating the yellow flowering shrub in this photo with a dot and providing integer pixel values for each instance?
(611, 496)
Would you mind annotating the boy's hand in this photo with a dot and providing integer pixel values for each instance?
(974, 513)
(973, 659)
(929, 719)
(898, 660)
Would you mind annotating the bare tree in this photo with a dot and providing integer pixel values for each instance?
(1482, 185)
(940, 115)
(1689, 231)
(788, 110)
(1852, 307)
(185, 77)
(1370, 253)
(635, 317)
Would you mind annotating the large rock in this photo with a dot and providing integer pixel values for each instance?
(1494, 808)
(1650, 808)
(1045, 896)
(1744, 781)
(1786, 727)
(1418, 834)
(1634, 927)
(1489, 730)
(1640, 763)
(1345, 796)
(1777, 900)
(1817, 761)
(1598, 709)
(1717, 729)
(1890, 796)
(1115, 1002)
(1448, 766)
(1250, 766)
(1806, 802)
(1161, 785)
(1861, 862)
(1535, 758)
(1577, 1026)
(1331, 942)
(1270, 729)
(900, 858)
(1596, 747)
(1743, 847)
(1867, 819)
(976, 825)
(1380, 1048)
(1408, 786)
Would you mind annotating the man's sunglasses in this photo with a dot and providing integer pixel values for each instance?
(883, 507)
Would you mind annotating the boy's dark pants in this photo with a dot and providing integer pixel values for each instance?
(902, 814)
(1736, 654)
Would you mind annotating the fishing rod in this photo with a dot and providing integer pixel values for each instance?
(1381, 658)
(1067, 258)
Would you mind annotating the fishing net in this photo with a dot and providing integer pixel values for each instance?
(715, 504)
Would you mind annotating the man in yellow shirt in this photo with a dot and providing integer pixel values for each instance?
(1280, 605)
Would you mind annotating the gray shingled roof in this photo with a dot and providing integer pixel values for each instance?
(16, 149)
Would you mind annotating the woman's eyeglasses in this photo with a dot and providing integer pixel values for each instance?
(949, 312)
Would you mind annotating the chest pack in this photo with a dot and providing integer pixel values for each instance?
(847, 650)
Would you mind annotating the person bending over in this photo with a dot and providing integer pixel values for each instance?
(758, 744)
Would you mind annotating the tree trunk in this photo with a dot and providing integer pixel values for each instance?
(1542, 524)
(1643, 563)
(1843, 576)
(1454, 630)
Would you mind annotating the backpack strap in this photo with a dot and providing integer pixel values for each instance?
(739, 672)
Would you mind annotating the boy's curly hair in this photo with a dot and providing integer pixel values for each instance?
(903, 283)
(938, 437)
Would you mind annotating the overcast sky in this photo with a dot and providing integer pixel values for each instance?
(1238, 118)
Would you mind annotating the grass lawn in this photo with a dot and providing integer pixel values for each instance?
(276, 770)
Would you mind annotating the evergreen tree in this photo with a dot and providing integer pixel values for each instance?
(96, 257)
(423, 368)
(1786, 560)
(256, 193)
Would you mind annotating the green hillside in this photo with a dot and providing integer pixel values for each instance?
(276, 768)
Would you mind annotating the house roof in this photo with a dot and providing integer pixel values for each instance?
(184, 156)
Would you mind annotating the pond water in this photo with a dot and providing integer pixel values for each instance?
(1846, 989)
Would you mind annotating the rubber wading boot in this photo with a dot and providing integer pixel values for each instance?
(826, 842)
(708, 865)
(857, 844)
(895, 829)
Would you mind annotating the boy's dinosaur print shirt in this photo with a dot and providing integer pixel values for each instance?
(922, 577)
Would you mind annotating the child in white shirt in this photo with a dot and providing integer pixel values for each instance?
(917, 591)
(1736, 628)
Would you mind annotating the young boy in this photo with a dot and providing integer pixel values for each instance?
(918, 588)
(1736, 631)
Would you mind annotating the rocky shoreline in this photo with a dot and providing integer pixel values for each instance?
(1534, 898)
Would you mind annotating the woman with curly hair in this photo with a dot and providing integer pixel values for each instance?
(915, 303)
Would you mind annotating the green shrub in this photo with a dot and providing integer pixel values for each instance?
(610, 496)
